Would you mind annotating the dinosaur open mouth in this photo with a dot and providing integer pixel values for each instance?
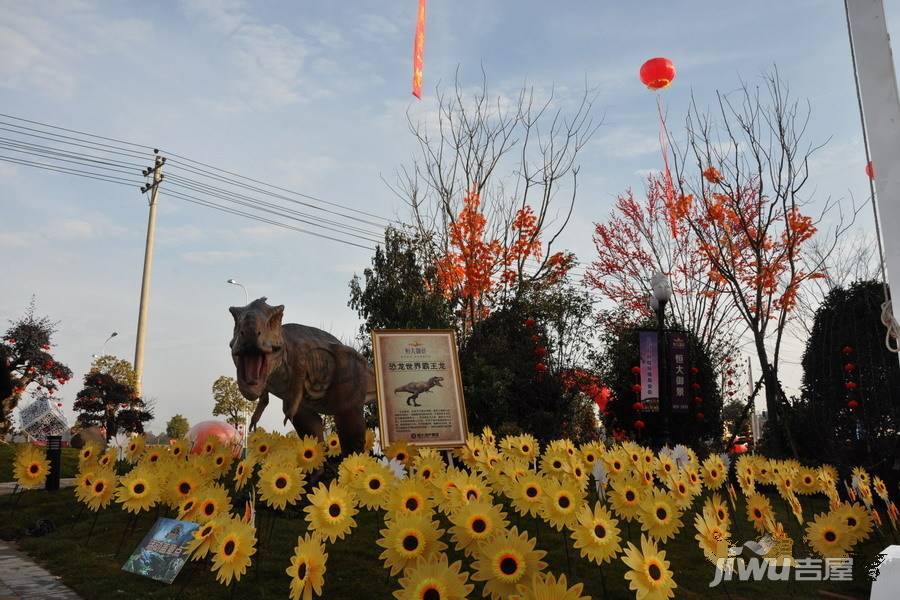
(253, 367)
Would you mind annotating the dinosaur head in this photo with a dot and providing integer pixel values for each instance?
(257, 345)
(436, 381)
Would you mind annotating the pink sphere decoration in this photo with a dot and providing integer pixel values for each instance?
(226, 433)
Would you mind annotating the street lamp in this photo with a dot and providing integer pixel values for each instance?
(103, 347)
(662, 293)
(246, 295)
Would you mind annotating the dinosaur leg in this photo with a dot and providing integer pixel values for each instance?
(261, 405)
(308, 422)
(415, 400)
(351, 429)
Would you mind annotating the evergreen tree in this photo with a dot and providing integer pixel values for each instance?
(110, 404)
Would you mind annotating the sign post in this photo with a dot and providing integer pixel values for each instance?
(54, 454)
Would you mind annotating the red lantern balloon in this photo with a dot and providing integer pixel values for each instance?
(850, 385)
(853, 404)
(638, 424)
(636, 370)
(849, 367)
(540, 351)
(870, 170)
(226, 433)
(700, 416)
(529, 322)
(694, 370)
(540, 367)
(847, 350)
(657, 73)
(535, 338)
(698, 400)
(695, 385)
(602, 399)
(637, 406)
(636, 388)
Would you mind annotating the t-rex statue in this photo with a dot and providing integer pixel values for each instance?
(414, 388)
(309, 369)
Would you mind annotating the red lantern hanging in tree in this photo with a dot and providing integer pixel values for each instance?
(636, 370)
(847, 350)
(849, 367)
(638, 424)
(853, 404)
(636, 388)
(529, 322)
(637, 406)
(657, 73)
(540, 367)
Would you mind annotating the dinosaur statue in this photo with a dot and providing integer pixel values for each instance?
(309, 369)
(418, 387)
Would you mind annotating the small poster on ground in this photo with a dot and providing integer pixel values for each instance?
(163, 551)
(420, 398)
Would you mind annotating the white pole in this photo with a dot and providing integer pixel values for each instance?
(145, 280)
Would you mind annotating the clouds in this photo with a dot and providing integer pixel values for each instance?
(209, 257)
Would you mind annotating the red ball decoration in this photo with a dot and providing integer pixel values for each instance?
(657, 73)
(698, 400)
(847, 350)
(870, 170)
(535, 338)
(694, 370)
(529, 322)
(636, 370)
(638, 424)
(850, 385)
(853, 405)
(636, 387)
(540, 367)
(849, 367)
(695, 385)
(637, 406)
(540, 351)
(699, 416)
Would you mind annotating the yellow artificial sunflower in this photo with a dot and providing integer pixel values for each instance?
(88, 453)
(211, 501)
(103, 484)
(506, 561)
(616, 462)
(307, 570)
(828, 535)
(527, 493)
(259, 445)
(369, 443)
(242, 473)
(695, 482)
(880, 488)
(409, 496)
(666, 467)
(205, 538)
(139, 490)
(474, 524)
(332, 445)
(714, 473)
(31, 466)
(648, 575)
(179, 448)
(235, 544)
(135, 448)
(547, 587)
(596, 535)
(182, 482)
(807, 481)
(310, 454)
(712, 536)
(83, 485)
(554, 461)
(153, 454)
(528, 447)
(408, 538)
(715, 508)
(759, 511)
(469, 487)
(591, 453)
(680, 491)
(659, 516)
(353, 466)
(561, 503)
(330, 511)
(401, 452)
(428, 465)
(857, 520)
(280, 484)
(373, 487)
(221, 460)
(625, 497)
(434, 579)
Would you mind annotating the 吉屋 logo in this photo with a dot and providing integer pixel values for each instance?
(773, 562)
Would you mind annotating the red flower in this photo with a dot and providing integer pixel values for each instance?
(636, 388)
(853, 404)
(636, 370)
(849, 367)
(637, 406)
(529, 322)
(712, 175)
(850, 385)
(847, 350)
(699, 416)
(638, 424)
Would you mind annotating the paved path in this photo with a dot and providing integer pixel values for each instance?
(22, 579)
(8, 487)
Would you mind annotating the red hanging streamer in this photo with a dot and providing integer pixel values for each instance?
(419, 52)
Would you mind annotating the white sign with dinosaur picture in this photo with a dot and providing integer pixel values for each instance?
(420, 398)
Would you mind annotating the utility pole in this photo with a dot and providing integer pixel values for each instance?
(156, 170)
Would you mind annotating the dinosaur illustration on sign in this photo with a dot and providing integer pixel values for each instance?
(414, 388)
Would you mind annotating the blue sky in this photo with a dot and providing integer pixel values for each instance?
(313, 96)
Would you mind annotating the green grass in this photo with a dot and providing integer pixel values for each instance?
(68, 462)
(353, 568)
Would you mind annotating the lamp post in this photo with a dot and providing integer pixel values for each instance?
(241, 285)
(662, 293)
(103, 347)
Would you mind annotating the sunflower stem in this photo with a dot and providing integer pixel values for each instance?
(562, 532)
(602, 579)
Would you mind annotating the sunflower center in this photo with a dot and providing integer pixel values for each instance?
(479, 525)
(410, 543)
(714, 473)
(307, 454)
(374, 484)
(629, 495)
(654, 571)
(563, 501)
(557, 464)
(830, 536)
(184, 487)
(219, 461)
(599, 532)
(531, 491)
(228, 550)
(301, 571)
(757, 513)
(401, 457)
(263, 449)
(851, 522)
(209, 509)
(426, 474)
(154, 457)
(139, 488)
(33, 469)
(472, 495)
(99, 487)
(721, 515)
(431, 594)
(334, 510)
(509, 565)
(661, 514)
(411, 504)
(525, 448)
(281, 483)
(206, 531)
(589, 458)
